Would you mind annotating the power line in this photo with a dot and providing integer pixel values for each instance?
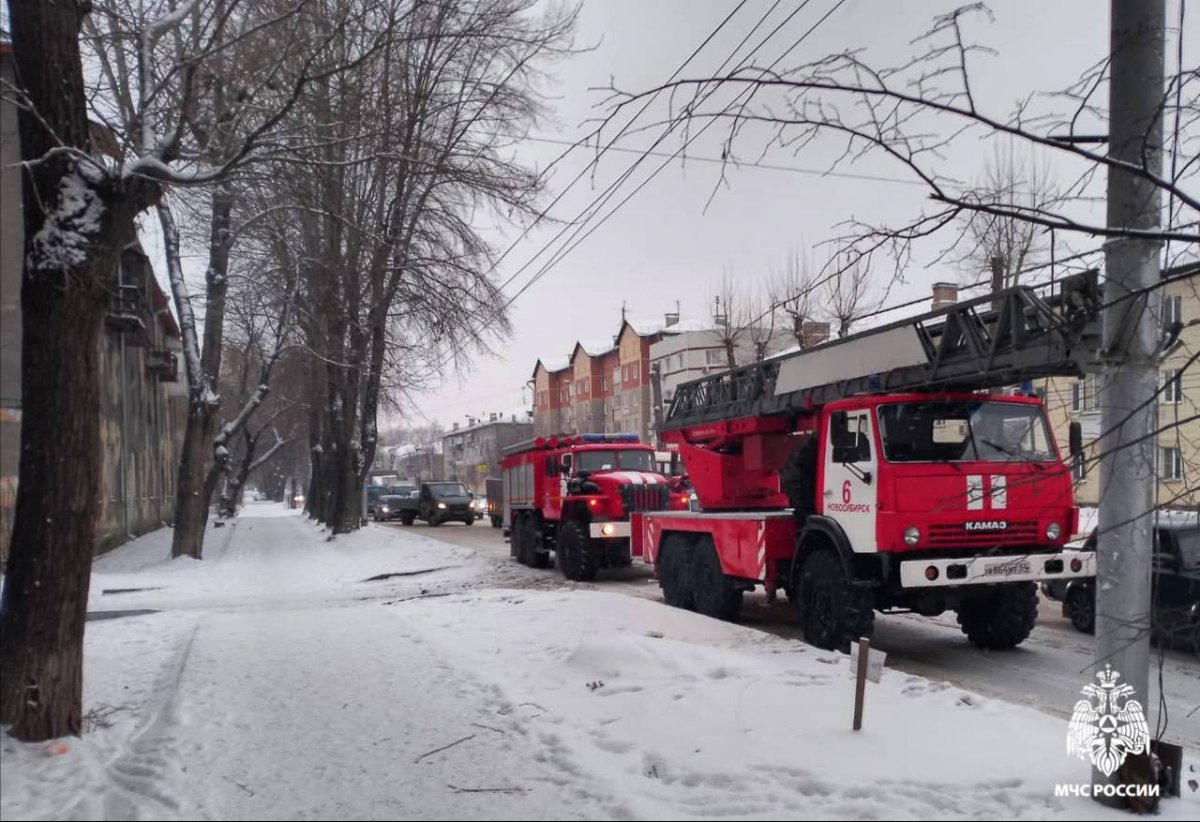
(588, 213)
(573, 243)
(609, 146)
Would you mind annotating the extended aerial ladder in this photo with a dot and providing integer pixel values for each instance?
(730, 426)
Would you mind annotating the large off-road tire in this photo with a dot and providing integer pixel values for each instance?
(1081, 608)
(576, 559)
(514, 539)
(535, 555)
(832, 611)
(798, 479)
(716, 595)
(674, 576)
(1000, 618)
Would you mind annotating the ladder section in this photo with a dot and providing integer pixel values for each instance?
(1001, 339)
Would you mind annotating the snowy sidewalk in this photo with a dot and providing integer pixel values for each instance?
(279, 681)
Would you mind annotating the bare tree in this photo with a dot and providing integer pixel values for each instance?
(165, 120)
(913, 113)
(229, 113)
(997, 242)
(731, 305)
(848, 294)
(793, 294)
(381, 218)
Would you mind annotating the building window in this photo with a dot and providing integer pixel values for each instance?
(1172, 309)
(1170, 464)
(714, 356)
(635, 371)
(1084, 394)
(1172, 386)
(604, 383)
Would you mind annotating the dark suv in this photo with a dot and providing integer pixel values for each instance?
(444, 501)
(1176, 618)
(394, 504)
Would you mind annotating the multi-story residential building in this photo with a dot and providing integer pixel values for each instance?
(608, 387)
(1177, 444)
(472, 453)
(689, 349)
(549, 376)
(411, 462)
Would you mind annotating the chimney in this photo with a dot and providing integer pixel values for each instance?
(492, 417)
(455, 427)
(671, 318)
(813, 333)
(944, 294)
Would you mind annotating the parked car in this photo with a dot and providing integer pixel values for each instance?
(480, 506)
(1176, 616)
(402, 503)
(389, 507)
(440, 502)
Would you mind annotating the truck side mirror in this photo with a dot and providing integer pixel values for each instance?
(1075, 438)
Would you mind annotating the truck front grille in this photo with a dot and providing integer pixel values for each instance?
(1017, 533)
(644, 497)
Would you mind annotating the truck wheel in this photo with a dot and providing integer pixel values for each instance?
(1081, 608)
(496, 522)
(434, 520)
(535, 557)
(798, 479)
(406, 519)
(1001, 618)
(469, 521)
(715, 593)
(832, 612)
(673, 577)
(514, 539)
(576, 559)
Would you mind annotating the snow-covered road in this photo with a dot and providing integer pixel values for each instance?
(388, 675)
(1045, 672)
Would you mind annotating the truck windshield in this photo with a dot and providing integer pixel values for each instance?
(447, 489)
(614, 460)
(973, 431)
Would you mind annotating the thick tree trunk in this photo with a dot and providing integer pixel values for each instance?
(64, 298)
(194, 488)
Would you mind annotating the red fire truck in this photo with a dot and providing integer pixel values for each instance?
(573, 495)
(877, 473)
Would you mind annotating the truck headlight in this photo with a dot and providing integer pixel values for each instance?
(441, 505)
(1053, 531)
(912, 535)
(383, 508)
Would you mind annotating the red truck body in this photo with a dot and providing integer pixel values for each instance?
(573, 496)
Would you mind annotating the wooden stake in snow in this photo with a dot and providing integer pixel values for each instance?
(868, 665)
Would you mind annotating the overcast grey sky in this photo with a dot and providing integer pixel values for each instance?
(663, 246)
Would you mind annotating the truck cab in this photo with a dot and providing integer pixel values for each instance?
(573, 495)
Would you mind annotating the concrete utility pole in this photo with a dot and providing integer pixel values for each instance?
(1129, 415)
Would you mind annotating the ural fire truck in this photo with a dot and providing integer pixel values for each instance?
(877, 472)
(572, 495)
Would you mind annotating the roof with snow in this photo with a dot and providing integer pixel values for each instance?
(645, 326)
(552, 364)
(594, 348)
(518, 415)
